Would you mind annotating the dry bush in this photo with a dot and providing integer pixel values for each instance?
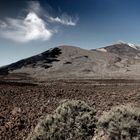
(72, 120)
(121, 123)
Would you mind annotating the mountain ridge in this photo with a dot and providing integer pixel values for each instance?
(117, 60)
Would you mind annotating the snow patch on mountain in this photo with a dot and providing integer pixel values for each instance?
(102, 49)
(129, 44)
(132, 46)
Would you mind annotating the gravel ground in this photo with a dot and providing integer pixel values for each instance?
(22, 105)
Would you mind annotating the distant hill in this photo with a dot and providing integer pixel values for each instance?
(120, 60)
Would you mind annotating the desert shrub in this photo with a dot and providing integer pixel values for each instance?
(121, 123)
(72, 120)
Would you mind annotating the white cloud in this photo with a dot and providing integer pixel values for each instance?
(65, 20)
(33, 26)
(24, 30)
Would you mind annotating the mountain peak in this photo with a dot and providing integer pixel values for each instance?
(121, 48)
(122, 44)
(132, 45)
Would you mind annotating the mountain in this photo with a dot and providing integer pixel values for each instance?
(123, 49)
(42, 60)
(120, 60)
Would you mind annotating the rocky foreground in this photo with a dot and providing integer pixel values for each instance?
(22, 104)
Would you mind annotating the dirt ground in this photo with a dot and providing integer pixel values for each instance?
(22, 104)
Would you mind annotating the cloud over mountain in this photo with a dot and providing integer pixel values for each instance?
(29, 28)
(65, 20)
(34, 25)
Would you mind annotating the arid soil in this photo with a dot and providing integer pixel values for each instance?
(22, 104)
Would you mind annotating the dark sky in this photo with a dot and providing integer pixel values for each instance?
(97, 23)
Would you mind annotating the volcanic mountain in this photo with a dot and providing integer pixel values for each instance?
(120, 60)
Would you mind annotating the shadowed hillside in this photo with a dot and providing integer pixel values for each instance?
(116, 61)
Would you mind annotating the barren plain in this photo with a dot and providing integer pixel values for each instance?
(23, 104)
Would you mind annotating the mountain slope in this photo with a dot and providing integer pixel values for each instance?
(44, 60)
(115, 61)
(123, 49)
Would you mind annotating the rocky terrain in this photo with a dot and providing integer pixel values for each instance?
(114, 61)
(22, 105)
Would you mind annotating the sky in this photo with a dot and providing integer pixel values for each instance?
(29, 27)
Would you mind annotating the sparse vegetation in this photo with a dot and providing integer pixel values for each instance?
(72, 120)
(121, 123)
(35, 101)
